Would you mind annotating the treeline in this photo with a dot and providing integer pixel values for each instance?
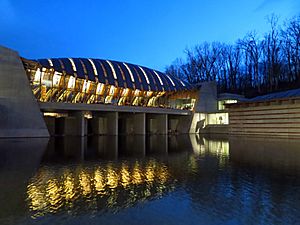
(253, 65)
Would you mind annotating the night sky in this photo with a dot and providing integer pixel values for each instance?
(152, 33)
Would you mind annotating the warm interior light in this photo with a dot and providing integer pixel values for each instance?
(86, 86)
(56, 79)
(137, 92)
(71, 83)
(125, 92)
(100, 89)
(149, 93)
(112, 90)
(38, 74)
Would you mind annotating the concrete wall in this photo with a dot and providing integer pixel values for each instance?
(215, 129)
(272, 118)
(207, 100)
(20, 115)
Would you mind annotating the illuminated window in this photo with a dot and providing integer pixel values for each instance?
(125, 92)
(73, 64)
(112, 90)
(50, 62)
(217, 118)
(100, 89)
(145, 75)
(149, 93)
(71, 83)
(160, 80)
(170, 80)
(86, 86)
(137, 92)
(221, 104)
(112, 68)
(56, 79)
(37, 75)
(94, 67)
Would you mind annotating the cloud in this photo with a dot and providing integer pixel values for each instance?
(7, 11)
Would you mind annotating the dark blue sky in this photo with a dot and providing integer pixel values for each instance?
(152, 33)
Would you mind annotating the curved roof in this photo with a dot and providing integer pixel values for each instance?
(116, 73)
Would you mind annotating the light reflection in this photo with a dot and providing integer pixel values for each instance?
(111, 185)
(206, 147)
(54, 195)
(112, 178)
(85, 183)
(69, 187)
(99, 182)
(125, 176)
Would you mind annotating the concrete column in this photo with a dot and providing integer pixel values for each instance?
(112, 123)
(75, 125)
(99, 125)
(157, 124)
(139, 122)
(105, 124)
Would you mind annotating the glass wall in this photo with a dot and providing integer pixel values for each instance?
(217, 118)
(221, 104)
(49, 85)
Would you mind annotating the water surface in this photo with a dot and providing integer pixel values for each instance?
(184, 179)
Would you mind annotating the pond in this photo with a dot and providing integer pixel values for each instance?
(175, 179)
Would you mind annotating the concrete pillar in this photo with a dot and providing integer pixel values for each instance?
(133, 123)
(98, 125)
(139, 122)
(20, 115)
(105, 123)
(112, 123)
(75, 125)
(157, 124)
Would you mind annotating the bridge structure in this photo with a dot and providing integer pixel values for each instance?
(81, 96)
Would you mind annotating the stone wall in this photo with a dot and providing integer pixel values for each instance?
(269, 118)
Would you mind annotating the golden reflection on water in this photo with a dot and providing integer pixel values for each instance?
(103, 186)
(215, 148)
